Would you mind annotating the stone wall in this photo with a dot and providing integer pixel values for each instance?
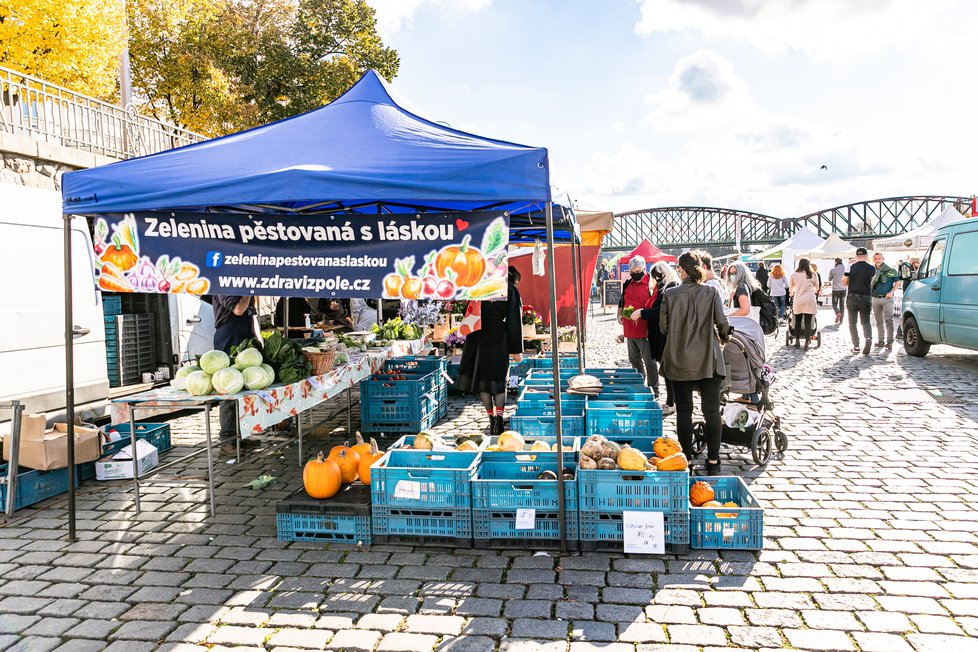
(38, 164)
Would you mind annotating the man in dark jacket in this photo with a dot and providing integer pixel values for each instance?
(234, 322)
(761, 275)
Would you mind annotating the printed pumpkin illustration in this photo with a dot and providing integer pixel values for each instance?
(465, 261)
(120, 255)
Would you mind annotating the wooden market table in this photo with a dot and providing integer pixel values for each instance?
(257, 410)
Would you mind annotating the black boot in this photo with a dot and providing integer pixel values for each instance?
(497, 425)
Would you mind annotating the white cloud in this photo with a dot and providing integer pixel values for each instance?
(395, 15)
(823, 29)
(703, 87)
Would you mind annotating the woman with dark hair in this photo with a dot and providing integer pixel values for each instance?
(664, 277)
(485, 355)
(691, 317)
(804, 304)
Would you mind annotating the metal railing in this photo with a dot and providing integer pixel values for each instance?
(34, 108)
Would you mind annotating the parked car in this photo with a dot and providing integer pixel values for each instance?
(941, 304)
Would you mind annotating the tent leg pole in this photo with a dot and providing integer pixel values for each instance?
(577, 303)
(69, 378)
(555, 358)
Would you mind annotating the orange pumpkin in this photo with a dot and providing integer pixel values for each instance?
(321, 477)
(361, 447)
(701, 493)
(665, 446)
(367, 460)
(674, 462)
(465, 261)
(335, 450)
(120, 255)
(348, 461)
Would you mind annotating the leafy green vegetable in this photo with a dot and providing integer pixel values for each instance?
(495, 237)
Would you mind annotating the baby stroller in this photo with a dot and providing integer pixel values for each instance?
(792, 333)
(757, 426)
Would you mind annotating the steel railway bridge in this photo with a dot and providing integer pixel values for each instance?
(680, 227)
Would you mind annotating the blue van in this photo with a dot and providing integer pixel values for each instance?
(941, 304)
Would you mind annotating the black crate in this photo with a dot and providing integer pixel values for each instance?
(344, 518)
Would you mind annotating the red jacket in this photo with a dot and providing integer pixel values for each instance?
(639, 296)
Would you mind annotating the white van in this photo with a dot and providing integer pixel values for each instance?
(32, 352)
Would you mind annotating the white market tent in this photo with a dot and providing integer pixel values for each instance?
(802, 241)
(833, 247)
(920, 238)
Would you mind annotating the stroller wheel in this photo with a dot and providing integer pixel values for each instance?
(699, 437)
(787, 336)
(780, 440)
(819, 339)
(760, 446)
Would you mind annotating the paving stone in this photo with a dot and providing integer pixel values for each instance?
(831, 620)
(574, 611)
(154, 611)
(527, 609)
(381, 622)
(402, 642)
(538, 629)
(130, 646)
(524, 645)
(875, 642)
(143, 630)
(593, 631)
(358, 640)
(235, 635)
(697, 635)
(399, 605)
(641, 633)
(51, 627)
(671, 614)
(441, 625)
(467, 644)
(479, 607)
(191, 633)
(810, 639)
(618, 613)
(71, 645)
(755, 637)
(494, 627)
(590, 646)
(313, 639)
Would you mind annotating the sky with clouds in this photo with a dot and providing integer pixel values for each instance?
(728, 103)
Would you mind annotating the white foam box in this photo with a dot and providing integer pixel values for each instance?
(119, 466)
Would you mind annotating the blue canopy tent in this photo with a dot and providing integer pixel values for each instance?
(362, 153)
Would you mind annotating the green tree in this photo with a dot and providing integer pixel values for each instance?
(71, 43)
(218, 66)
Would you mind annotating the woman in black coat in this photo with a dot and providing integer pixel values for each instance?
(485, 355)
(665, 277)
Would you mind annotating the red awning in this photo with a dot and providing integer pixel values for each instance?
(649, 252)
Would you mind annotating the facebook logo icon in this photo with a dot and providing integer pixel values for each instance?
(214, 259)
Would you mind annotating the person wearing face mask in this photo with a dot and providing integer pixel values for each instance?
(637, 294)
(665, 277)
(742, 280)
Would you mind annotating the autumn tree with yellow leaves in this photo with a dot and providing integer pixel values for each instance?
(71, 43)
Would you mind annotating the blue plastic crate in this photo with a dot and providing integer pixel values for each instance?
(111, 305)
(618, 420)
(547, 362)
(604, 531)
(727, 528)
(407, 442)
(622, 393)
(572, 446)
(536, 427)
(508, 481)
(574, 407)
(344, 518)
(544, 394)
(428, 527)
(157, 434)
(618, 491)
(419, 364)
(390, 422)
(412, 479)
(393, 406)
(34, 486)
(631, 401)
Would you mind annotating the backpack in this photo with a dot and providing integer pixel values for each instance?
(768, 315)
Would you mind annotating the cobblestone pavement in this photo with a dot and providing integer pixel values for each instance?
(870, 545)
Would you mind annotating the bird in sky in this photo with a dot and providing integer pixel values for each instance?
(824, 167)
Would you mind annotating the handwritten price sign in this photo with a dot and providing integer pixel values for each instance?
(644, 532)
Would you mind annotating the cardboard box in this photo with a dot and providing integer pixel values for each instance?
(119, 466)
(45, 448)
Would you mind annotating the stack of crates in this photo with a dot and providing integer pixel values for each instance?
(129, 348)
(535, 415)
(626, 410)
(389, 406)
(423, 497)
(508, 483)
(419, 364)
(344, 518)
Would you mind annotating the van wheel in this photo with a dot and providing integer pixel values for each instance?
(913, 343)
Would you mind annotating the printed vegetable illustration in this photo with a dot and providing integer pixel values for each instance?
(411, 288)
(113, 280)
(464, 260)
(119, 254)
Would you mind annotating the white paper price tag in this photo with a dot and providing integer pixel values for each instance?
(644, 532)
(316, 385)
(408, 489)
(266, 396)
(728, 532)
(526, 519)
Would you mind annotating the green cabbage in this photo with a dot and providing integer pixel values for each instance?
(213, 361)
(199, 383)
(179, 380)
(247, 358)
(228, 381)
(256, 378)
(271, 373)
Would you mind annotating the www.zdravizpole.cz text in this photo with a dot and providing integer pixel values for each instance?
(310, 283)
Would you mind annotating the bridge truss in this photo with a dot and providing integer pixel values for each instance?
(687, 226)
